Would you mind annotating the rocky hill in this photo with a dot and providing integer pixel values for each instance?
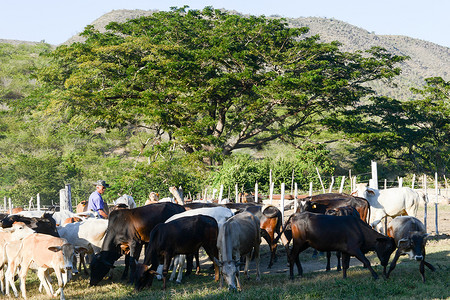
(426, 59)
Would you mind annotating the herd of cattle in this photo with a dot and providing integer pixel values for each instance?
(229, 233)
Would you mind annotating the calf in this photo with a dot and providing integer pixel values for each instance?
(410, 237)
(128, 230)
(219, 213)
(239, 236)
(346, 234)
(181, 236)
(41, 252)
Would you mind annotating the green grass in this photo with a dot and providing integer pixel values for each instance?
(405, 283)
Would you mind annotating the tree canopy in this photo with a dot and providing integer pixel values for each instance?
(210, 81)
(413, 134)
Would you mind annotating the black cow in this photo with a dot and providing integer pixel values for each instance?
(45, 224)
(346, 234)
(128, 230)
(410, 237)
(181, 236)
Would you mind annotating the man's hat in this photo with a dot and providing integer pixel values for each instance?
(102, 183)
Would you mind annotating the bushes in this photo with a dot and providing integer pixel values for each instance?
(245, 171)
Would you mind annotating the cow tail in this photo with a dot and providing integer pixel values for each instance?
(283, 230)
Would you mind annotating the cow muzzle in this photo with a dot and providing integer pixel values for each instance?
(418, 257)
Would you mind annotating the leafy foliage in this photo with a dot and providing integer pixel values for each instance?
(413, 134)
(212, 81)
(243, 170)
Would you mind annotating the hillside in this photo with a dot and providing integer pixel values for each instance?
(427, 59)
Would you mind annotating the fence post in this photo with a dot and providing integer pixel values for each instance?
(10, 205)
(65, 198)
(256, 192)
(310, 188)
(320, 179)
(426, 201)
(385, 184)
(400, 182)
(38, 202)
(413, 181)
(436, 187)
(282, 202)
(295, 197)
(236, 198)
(292, 181)
(4, 203)
(271, 192)
(220, 193)
(341, 188)
(331, 184)
(374, 183)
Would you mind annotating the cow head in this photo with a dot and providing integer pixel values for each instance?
(384, 247)
(229, 271)
(144, 276)
(414, 245)
(101, 264)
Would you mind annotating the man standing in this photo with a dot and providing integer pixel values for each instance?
(96, 201)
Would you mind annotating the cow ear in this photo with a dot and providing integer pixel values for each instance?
(371, 192)
(55, 248)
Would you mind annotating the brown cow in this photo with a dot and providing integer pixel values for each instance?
(347, 234)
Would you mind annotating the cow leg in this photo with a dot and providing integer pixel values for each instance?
(135, 252)
(362, 258)
(197, 262)
(181, 263)
(256, 255)
(294, 258)
(211, 251)
(248, 257)
(167, 260)
(127, 267)
(9, 279)
(338, 256)
(22, 276)
(328, 267)
(44, 282)
(393, 263)
(345, 264)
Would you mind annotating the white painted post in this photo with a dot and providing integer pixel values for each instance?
(65, 198)
(351, 182)
(220, 193)
(236, 193)
(413, 181)
(331, 184)
(282, 202)
(310, 188)
(271, 192)
(385, 184)
(426, 201)
(292, 181)
(374, 175)
(320, 179)
(214, 194)
(10, 205)
(30, 203)
(341, 188)
(256, 192)
(295, 197)
(38, 202)
(4, 203)
(436, 202)
(400, 182)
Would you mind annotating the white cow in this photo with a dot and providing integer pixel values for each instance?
(220, 214)
(88, 235)
(127, 200)
(390, 202)
(239, 236)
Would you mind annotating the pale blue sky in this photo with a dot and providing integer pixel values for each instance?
(55, 21)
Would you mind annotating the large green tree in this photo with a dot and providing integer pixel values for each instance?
(413, 134)
(210, 81)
